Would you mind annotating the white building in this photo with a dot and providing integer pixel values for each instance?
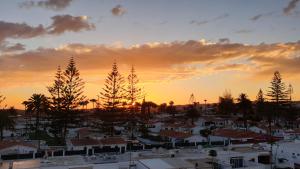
(287, 154)
(16, 147)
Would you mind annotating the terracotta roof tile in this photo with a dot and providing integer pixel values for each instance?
(8, 143)
(112, 140)
(174, 134)
(84, 142)
(235, 133)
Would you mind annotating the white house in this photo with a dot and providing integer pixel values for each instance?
(113, 142)
(287, 154)
(258, 130)
(196, 139)
(16, 147)
(155, 127)
(82, 144)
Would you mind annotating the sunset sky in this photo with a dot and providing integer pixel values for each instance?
(178, 47)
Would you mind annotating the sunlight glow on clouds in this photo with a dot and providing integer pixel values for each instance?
(241, 45)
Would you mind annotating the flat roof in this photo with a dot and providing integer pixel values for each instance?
(163, 163)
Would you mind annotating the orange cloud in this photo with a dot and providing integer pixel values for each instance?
(155, 63)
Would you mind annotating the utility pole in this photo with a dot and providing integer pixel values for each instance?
(205, 109)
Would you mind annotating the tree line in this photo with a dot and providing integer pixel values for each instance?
(63, 107)
(276, 104)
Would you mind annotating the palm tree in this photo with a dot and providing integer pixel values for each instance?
(25, 103)
(148, 105)
(38, 104)
(6, 122)
(84, 104)
(192, 113)
(93, 102)
(171, 108)
(245, 106)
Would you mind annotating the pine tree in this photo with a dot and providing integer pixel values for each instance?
(278, 96)
(113, 92)
(74, 85)
(277, 91)
(133, 92)
(260, 96)
(260, 103)
(57, 89)
(57, 106)
(72, 95)
(66, 95)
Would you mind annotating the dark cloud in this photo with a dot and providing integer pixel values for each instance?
(60, 24)
(198, 22)
(118, 10)
(291, 6)
(47, 4)
(224, 41)
(4, 47)
(64, 23)
(244, 31)
(210, 20)
(19, 30)
(259, 16)
(256, 17)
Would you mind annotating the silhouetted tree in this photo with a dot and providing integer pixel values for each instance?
(148, 105)
(278, 96)
(260, 101)
(113, 92)
(277, 92)
(56, 90)
(26, 116)
(72, 94)
(74, 85)
(245, 106)
(162, 108)
(133, 92)
(6, 121)
(192, 112)
(171, 108)
(58, 105)
(38, 104)
(84, 104)
(291, 111)
(93, 101)
(226, 104)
